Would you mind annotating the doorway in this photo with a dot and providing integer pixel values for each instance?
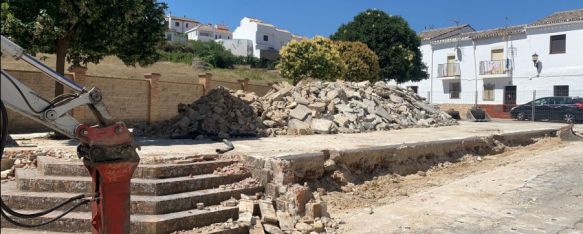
(509, 98)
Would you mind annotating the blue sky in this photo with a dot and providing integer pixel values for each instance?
(322, 17)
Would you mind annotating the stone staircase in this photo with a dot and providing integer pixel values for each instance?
(163, 196)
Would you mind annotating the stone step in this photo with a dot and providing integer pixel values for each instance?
(55, 167)
(31, 180)
(23, 200)
(162, 223)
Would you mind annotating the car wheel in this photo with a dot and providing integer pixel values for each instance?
(521, 116)
(569, 117)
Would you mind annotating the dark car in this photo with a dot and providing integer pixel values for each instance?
(568, 109)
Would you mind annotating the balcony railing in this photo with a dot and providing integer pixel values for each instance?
(448, 70)
(495, 67)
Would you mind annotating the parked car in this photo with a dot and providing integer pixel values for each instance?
(568, 109)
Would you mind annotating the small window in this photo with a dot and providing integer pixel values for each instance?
(220, 37)
(265, 38)
(177, 24)
(186, 25)
(414, 88)
(488, 92)
(454, 90)
(561, 90)
(216, 37)
(558, 44)
(228, 37)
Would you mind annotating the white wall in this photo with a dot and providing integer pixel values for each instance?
(256, 31)
(239, 47)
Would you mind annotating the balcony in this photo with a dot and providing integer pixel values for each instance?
(448, 70)
(496, 68)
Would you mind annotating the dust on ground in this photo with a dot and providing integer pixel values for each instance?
(386, 189)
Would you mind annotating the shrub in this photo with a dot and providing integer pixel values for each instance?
(361, 62)
(315, 58)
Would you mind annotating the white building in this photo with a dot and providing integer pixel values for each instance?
(239, 47)
(267, 39)
(208, 32)
(180, 24)
(495, 69)
(177, 26)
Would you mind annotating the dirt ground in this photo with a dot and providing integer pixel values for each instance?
(531, 189)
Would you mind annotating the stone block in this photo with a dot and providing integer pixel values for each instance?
(268, 214)
(286, 221)
(272, 229)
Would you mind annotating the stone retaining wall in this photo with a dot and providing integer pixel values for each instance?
(134, 101)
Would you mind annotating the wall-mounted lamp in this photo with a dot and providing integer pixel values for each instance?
(537, 64)
(535, 59)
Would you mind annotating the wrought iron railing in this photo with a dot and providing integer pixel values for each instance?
(495, 67)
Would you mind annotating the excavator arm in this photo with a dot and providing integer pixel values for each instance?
(107, 149)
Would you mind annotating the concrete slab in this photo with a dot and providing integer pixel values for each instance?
(271, 147)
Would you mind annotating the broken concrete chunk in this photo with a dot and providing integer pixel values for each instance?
(268, 214)
(272, 229)
(286, 221)
(321, 125)
(304, 227)
(300, 112)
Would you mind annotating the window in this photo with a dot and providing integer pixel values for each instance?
(265, 38)
(186, 25)
(228, 37)
(216, 37)
(414, 88)
(497, 55)
(488, 94)
(204, 34)
(561, 90)
(558, 44)
(220, 37)
(177, 24)
(542, 101)
(454, 90)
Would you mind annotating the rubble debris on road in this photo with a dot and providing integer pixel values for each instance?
(307, 108)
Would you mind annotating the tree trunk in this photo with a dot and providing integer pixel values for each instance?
(60, 66)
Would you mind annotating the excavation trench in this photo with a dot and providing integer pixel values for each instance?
(332, 169)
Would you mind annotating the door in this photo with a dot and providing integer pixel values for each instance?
(509, 98)
(450, 65)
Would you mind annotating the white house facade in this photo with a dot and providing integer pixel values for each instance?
(495, 68)
(209, 32)
(267, 39)
(176, 28)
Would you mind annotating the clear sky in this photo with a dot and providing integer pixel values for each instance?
(322, 17)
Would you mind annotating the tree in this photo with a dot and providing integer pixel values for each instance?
(85, 31)
(361, 62)
(391, 38)
(315, 58)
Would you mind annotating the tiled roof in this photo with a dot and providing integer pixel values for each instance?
(183, 18)
(497, 32)
(560, 17)
(433, 33)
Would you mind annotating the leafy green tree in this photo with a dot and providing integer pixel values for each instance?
(361, 62)
(391, 38)
(311, 58)
(85, 31)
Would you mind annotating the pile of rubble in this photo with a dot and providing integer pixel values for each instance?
(295, 210)
(307, 108)
(221, 113)
(345, 107)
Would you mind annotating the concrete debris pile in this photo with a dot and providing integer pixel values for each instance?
(344, 107)
(221, 113)
(296, 210)
(307, 108)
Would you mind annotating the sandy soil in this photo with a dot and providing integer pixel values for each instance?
(532, 189)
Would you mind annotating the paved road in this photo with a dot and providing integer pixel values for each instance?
(541, 194)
